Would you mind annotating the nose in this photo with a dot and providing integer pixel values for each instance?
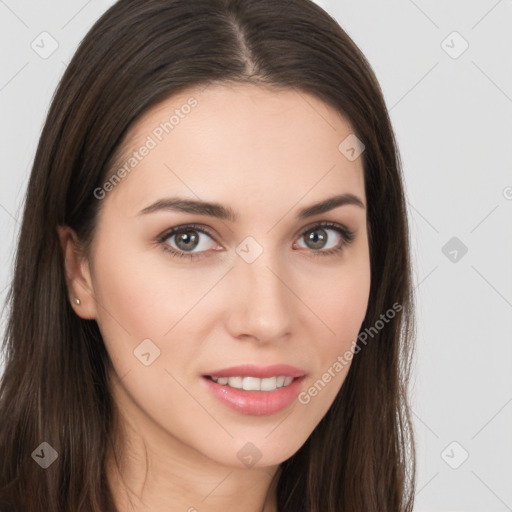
(261, 303)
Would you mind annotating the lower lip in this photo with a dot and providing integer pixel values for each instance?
(256, 403)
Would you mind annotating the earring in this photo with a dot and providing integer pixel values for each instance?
(77, 301)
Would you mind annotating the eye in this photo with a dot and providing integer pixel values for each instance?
(191, 241)
(186, 239)
(322, 243)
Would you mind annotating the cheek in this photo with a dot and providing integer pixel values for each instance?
(344, 316)
(341, 303)
(342, 299)
(140, 297)
(127, 295)
(130, 297)
(345, 305)
(342, 308)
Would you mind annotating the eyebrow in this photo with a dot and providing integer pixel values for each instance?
(226, 213)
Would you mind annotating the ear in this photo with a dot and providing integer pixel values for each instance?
(78, 276)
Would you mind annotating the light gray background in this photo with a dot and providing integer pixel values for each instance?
(453, 120)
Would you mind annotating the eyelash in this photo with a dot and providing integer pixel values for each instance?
(346, 234)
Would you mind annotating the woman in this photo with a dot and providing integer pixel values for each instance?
(212, 305)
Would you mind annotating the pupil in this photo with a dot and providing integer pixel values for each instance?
(186, 238)
(318, 240)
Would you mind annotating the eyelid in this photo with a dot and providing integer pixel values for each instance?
(325, 223)
(183, 227)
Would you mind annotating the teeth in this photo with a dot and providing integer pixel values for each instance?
(268, 384)
(254, 383)
(251, 383)
(234, 382)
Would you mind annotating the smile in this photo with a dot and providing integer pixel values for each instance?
(254, 383)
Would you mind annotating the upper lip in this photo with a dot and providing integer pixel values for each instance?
(251, 370)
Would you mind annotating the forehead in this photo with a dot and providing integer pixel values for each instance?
(229, 141)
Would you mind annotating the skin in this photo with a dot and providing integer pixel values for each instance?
(265, 154)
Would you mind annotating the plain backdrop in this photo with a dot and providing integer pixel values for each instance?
(446, 72)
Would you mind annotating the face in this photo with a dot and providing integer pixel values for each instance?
(257, 289)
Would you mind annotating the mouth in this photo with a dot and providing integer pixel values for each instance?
(261, 372)
(254, 383)
(253, 390)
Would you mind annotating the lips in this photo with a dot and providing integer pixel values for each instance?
(256, 402)
(261, 372)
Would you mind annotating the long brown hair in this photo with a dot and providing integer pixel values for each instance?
(55, 388)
